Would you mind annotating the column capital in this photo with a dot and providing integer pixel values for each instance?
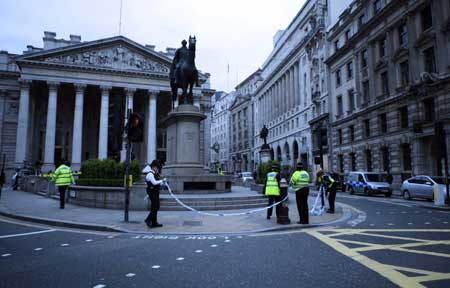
(105, 88)
(24, 83)
(129, 91)
(153, 92)
(79, 87)
(52, 85)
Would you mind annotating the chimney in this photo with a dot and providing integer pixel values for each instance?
(75, 38)
(151, 47)
(49, 40)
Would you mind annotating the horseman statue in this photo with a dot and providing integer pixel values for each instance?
(183, 73)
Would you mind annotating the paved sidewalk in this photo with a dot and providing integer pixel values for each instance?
(33, 207)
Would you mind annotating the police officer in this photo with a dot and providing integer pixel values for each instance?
(299, 182)
(63, 177)
(153, 185)
(331, 186)
(272, 189)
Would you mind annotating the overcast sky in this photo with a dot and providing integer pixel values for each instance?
(238, 32)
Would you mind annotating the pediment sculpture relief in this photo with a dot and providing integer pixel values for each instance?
(118, 57)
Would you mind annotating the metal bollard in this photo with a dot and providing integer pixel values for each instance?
(283, 216)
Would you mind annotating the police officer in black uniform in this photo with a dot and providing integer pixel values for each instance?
(153, 185)
(331, 186)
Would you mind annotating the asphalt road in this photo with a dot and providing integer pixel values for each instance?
(388, 243)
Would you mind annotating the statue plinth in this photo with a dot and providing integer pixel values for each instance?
(183, 168)
(264, 153)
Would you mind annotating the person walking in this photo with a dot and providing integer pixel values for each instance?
(153, 185)
(63, 177)
(331, 185)
(299, 182)
(272, 190)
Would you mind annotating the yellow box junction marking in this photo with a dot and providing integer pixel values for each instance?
(391, 272)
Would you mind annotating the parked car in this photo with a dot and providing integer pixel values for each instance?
(246, 176)
(368, 183)
(421, 186)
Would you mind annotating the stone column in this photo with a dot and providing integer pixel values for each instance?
(292, 88)
(22, 123)
(288, 90)
(151, 132)
(296, 90)
(104, 117)
(50, 131)
(77, 135)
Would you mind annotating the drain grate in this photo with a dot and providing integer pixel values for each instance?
(192, 223)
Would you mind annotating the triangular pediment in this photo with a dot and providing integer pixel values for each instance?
(116, 53)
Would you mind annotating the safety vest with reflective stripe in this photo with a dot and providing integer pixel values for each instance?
(329, 180)
(63, 176)
(299, 179)
(272, 188)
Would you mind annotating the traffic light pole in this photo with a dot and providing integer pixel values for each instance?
(127, 169)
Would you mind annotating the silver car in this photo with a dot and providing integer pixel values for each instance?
(421, 186)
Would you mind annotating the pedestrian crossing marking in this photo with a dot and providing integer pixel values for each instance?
(397, 274)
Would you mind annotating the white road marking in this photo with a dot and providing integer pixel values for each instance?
(403, 212)
(214, 245)
(390, 224)
(378, 212)
(110, 237)
(37, 249)
(427, 223)
(239, 237)
(410, 223)
(64, 245)
(391, 212)
(88, 240)
(99, 286)
(445, 222)
(392, 203)
(130, 275)
(6, 255)
(156, 267)
(371, 224)
(227, 240)
(26, 234)
(198, 251)
(180, 259)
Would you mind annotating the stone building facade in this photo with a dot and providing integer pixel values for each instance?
(292, 74)
(220, 131)
(389, 85)
(68, 99)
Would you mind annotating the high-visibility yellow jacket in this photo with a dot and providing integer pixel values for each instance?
(299, 180)
(63, 176)
(272, 187)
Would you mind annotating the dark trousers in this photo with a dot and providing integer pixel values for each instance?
(332, 196)
(272, 200)
(62, 195)
(301, 196)
(154, 207)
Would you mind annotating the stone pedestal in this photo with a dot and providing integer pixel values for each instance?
(264, 154)
(184, 170)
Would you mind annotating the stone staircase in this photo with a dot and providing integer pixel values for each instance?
(213, 203)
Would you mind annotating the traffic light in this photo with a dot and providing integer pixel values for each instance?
(135, 128)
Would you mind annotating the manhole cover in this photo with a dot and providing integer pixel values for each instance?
(192, 223)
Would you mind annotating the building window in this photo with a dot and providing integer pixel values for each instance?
(367, 128)
(403, 111)
(428, 109)
(376, 6)
(361, 21)
(429, 60)
(347, 35)
(339, 136)
(349, 70)
(339, 107)
(338, 77)
(406, 157)
(364, 58)
(336, 45)
(383, 123)
(385, 83)
(366, 92)
(385, 158)
(382, 47)
(404, 73)
(341, 163)
(352, 161)
(426, 18)
(351, 100)
(403, 35)
(369, 160)
(351, 132)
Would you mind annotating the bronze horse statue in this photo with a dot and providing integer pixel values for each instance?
(183, 73)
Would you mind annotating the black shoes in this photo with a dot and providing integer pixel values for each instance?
(156, 225)
(330, 211)
(299, 222)
(149, 224)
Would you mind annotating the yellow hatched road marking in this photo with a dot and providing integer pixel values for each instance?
(390, 272)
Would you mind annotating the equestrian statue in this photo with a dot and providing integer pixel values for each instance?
(183, 73)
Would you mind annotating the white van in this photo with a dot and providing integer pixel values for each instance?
(368, 183)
